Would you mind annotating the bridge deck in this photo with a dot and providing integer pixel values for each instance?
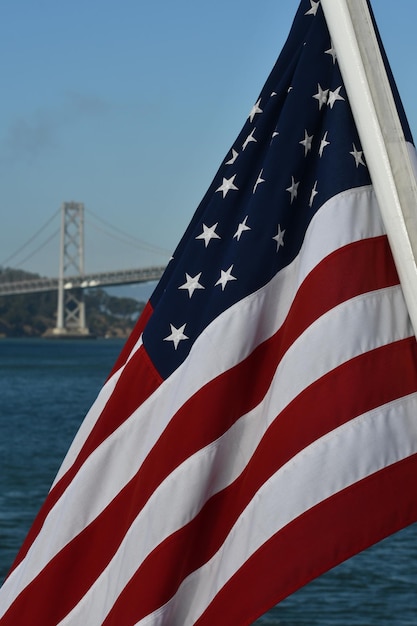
(87, 281)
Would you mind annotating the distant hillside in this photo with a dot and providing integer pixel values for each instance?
(31, 315)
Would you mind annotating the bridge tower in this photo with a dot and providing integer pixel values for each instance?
(71, 307)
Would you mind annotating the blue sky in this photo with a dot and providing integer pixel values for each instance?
(130, 107)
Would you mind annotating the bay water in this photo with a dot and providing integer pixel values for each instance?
(46, 388)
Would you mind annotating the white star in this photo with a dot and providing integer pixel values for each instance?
(259, 181)
(208, 234)
(332, 52)
(324, 143)
(191, 283)
(314, 7)
(255, 109)
(307, 141)
(227, 185)
(225, 277)
(241, 228)
(321, 96)
(314, 193)
(279, 237)
(234, 157)
(249, 139)
(357, 155)
(293, 189)
(177, 335)
(334, 96)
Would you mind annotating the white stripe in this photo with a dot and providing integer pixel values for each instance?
(341, 458)
(87, 425)
(380, 131)
(92, 416)
(339, 222)
(349, 216)
(381, 318)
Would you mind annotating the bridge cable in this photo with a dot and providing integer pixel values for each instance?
(124, 239)
(42, 245)
(135, 241)
(3, 264)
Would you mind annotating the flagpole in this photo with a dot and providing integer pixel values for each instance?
(389, 158)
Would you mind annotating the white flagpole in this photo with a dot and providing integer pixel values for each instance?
(391, 161)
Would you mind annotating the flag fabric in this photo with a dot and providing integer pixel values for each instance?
(260, 425)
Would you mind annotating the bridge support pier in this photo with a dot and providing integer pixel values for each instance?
(70, 319)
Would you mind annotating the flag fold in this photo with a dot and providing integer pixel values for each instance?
(260, 425)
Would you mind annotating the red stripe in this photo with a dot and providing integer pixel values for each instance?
(319, 409)
(141, 377)
(166, 457)
(190, 547)
(133, 338)
(333, 531)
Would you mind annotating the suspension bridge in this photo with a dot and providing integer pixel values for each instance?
(72, 280)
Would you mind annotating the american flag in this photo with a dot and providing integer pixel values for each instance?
(260, 425)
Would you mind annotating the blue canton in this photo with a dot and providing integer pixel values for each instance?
(298, 148)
